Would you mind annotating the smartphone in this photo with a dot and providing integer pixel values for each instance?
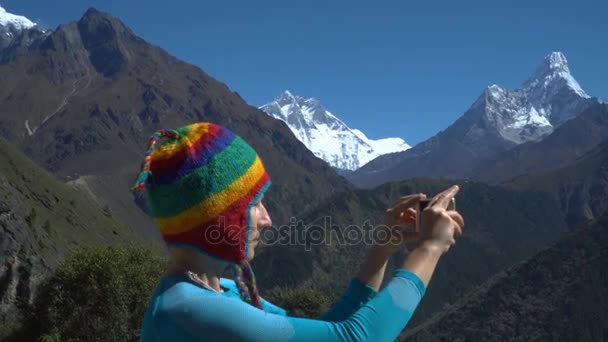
(424, 203)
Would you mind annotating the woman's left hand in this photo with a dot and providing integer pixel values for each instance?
(400, 219)
(397, 219)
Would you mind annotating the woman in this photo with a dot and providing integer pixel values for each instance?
(204, 186)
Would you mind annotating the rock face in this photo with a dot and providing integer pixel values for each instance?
(498, 120)
(21, 266)
(329, 138)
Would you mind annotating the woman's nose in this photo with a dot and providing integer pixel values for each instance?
(265, 220)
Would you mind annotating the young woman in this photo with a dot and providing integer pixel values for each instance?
(204, 186)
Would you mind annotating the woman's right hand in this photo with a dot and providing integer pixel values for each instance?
(438, 226)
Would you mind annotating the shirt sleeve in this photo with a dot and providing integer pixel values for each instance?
(271, 308)
(382, 318)
(357, 293)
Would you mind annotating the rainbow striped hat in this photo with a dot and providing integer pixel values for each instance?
(200, 185)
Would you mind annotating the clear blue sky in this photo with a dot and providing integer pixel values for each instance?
(389, 68)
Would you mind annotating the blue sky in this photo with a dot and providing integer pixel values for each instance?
(389, 68)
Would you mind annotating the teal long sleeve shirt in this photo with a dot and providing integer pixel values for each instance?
(180, 310)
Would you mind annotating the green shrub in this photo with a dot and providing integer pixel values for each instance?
(99, 294)
(299, 302)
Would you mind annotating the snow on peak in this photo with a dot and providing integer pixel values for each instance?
(16, 21)
(530, 117)
(553, 62)
(326, 135)
(285, 97)
(553, 73)
(495, 90)
(550, 97)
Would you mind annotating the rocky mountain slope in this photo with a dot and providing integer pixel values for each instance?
(580, 188)
(85, 99)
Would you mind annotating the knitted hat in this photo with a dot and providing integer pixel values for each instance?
(200, 185)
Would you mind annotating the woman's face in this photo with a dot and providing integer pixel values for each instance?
(259, 220)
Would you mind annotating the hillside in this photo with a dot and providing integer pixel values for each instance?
(41, 222)
(559, 294)
(580, 188)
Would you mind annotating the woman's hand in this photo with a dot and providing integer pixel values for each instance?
(397, 218)
(437, 232)
(401, 222)
(440, 227)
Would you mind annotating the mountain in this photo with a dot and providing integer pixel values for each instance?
(504, 224)
(17, 33)
(10, 22)
(85, 99)
(499, 120)
(561, 293)
(41, 222)
(502, 227)
(565, 145)
(563, 281)
(327, 136)
(580, 188)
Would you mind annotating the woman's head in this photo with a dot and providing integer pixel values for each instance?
(204, 186)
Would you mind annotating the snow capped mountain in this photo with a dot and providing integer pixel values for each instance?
(498, 121)
(17, 22)
(327, 136)
(17, 33)
(550, 97)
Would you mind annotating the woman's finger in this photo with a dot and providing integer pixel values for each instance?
(458, 222)
(408, 212)
(407, 202)
(408, 196)
(454, 215)
(444, 198)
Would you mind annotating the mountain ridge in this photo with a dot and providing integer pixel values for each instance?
(84, 100)
(497, 121)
